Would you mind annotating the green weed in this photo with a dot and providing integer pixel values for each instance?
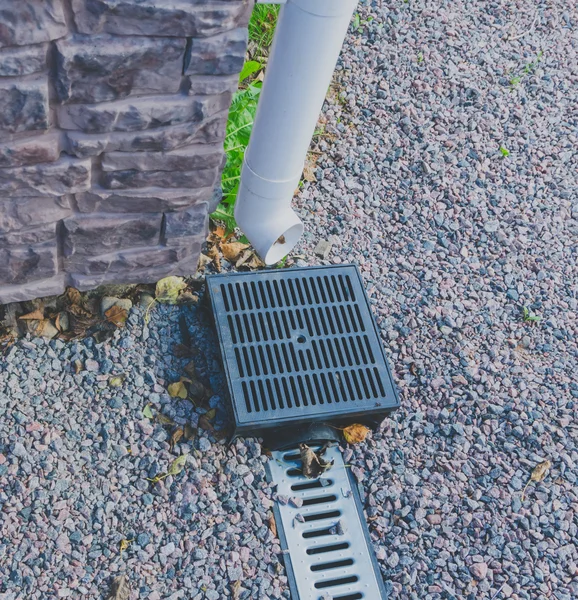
(359, 24)
(529, 317)
(504, 151)
(515, 80)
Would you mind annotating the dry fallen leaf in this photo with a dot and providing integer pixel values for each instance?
(190, 432)
(313, 463)
(183, 351)
(538, 474)
(177, 465)
(309, 168)
(116, 315)
(37, 315)
(254, 262)
(119, 589)
(199, 392)
(356, 433)
(124, 544)
(273, 525)
(190, 369)
(116, 380)
(72, 295)
(147, 412)
(232, 251)
(176, 436)
(178, 389)
(236, 589)
(169, 288)
(164, 420)
(213, 254)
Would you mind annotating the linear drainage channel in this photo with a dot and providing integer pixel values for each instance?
(328, 553)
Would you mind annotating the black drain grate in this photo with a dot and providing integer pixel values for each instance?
(300, 345)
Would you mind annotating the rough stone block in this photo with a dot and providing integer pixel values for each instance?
(25, 60)
(179, 18)
(185, 267)
(127, 260)
(133, 178)
(19, 264)
(184, 159)
(141, 200)
(139, 114)
(30, 150)
(24, 104)
(22, 213)
(99, 68)
(67, 176)
(185, 226)
(222, 54)
(25, 22)
(36, 235)
(33, 289)
(200, 85)
(153, 140)
(92, 235)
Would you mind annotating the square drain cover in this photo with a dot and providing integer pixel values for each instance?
(300, 346)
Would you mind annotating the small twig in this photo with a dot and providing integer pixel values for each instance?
(521, 35)
(496, 594)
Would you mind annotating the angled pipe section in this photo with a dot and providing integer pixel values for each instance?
(307, 42)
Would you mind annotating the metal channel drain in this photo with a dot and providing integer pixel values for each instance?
(329, 555)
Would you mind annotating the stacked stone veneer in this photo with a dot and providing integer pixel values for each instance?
(112, 120)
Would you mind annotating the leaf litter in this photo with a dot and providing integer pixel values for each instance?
(313, 462)
(119, 589)
(538, 474)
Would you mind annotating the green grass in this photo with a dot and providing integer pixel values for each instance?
(515, 80)
(243, 109)
(262, 24)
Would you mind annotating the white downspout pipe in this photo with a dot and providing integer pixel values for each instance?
(307, 42)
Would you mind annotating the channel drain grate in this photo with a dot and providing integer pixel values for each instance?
(328, 551)
(299, 345)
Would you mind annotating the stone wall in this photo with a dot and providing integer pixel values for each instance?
(112, 119)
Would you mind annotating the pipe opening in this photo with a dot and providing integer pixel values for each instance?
(284, 244)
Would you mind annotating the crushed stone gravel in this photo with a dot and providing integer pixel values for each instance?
(453, 240)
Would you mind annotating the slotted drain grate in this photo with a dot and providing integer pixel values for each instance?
(300, 345)
(329, 552)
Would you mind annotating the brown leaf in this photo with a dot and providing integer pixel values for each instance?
(37, 315)
(164, 420)
(213, 254)
(232, 251)
(205, 424)
(78, 366)
(177, 389)
(72, 296)
(538, 474)
(309, 168)
(116, 315)
(356, 433)
(119, 589)
(199, 392)
(273, 525)
(236, 589)
(124, 544)
(210, 414)
(190, 369)
(176, 436)
(189, 432)
(219, 231)
(540, 471)
(313, 462)
(183, 351)
(254, 262)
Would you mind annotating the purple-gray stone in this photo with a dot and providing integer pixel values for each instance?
(67, 176)
(22, 60)
(133, 178)
(140, 201)
(184, 159)
(30, 150)
(19, 264)
(139, 114)
(21, 213)
(24, 22)
(99, 68)
(178, 18)
(91, 235)
(222, 54)
(24, 104)
(35, 235)
(183, 226)
(152, 140)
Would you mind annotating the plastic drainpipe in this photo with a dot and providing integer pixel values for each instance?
(307, 42)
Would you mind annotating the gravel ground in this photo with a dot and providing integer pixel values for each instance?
(453, 239)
